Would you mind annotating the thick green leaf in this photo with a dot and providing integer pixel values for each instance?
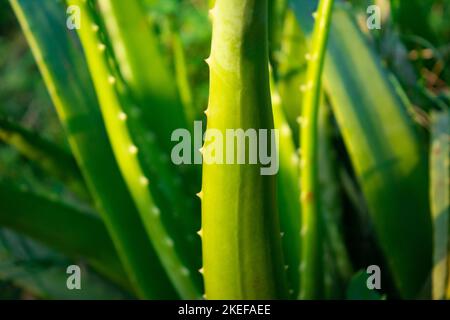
(133, 153)
(242, 256)
(311, 269)
(277, 13)
(182, 77)
(153, 88)
(288, 192)
(143, 67)
(292, 71)
(384, 147)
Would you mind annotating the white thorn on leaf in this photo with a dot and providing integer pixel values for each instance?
(122, 116)
(276, 99)
(133, 149)
(143, 181)
(111, 80)
(286, 130)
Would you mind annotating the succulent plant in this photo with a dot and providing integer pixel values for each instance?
(355, 180)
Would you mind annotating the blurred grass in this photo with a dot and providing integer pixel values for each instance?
(23, 95)
(23, 99)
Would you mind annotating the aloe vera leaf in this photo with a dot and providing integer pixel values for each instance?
(312, 246)
(166, 187)
(179, 216)
(65, 228)
(59, 58)
(182, 77)
(192, 113)
(42, 273)
(50, 157)
(277, 13)
(287, 190)
(292, 70)
(112, 105)
(242, 256)
(384, 148)
(439, 195)
(143, 67)
(138, 108)
(331, 207)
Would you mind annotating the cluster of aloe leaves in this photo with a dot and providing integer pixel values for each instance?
(358, 182)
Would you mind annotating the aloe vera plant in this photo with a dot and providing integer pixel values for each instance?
(311, 264)
(277, 12)
(143, 68)
(292, 70)
(115, 108)
(240, 228)
(356, 184)
(287, 184)
(183, 78)
(384, 147)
